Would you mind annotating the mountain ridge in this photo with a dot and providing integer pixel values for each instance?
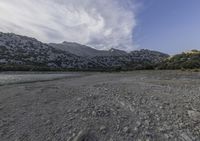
(17, 50)
(86, 51)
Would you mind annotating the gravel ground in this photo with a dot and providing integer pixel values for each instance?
(131, 106)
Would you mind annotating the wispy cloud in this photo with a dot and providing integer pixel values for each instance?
(99, 23)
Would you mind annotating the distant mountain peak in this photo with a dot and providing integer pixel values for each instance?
(86, 51)
(113, 50)
(65, 42)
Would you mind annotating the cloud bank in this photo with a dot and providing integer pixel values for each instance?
(100, 23)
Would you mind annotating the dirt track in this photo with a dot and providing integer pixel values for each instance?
(131, 106)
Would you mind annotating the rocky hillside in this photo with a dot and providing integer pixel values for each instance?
(86, 51)
(185, 60)
(115, 59)
(142, 59)
(25, 53)
(21, 51)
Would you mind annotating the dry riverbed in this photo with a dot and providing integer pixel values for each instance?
(127, 106)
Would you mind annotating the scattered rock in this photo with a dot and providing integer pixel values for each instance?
(136, 129)
(84, 118)
(126, 129)
(94, 113)
(103, 129)
(103, 113)
(194, 115)
(76, 110)
(79, 99)
(108, 117)
(58, 130)
(147, 122)
(1, 108)
(167, 136)
(131, 135)
(110, 139)
(69, 111)
(185, 137)
(85, 136)
(71, 118)
(138, 123)
(48, 122)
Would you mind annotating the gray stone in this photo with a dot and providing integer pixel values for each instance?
(126, 129)
(85, 136)
(194, 115)
(185, 137)
(103, 129)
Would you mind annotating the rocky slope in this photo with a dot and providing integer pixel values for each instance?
(24, 52)
(86, 51)
(114, 58)
(142, 59)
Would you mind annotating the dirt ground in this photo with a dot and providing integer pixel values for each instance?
(126, 106)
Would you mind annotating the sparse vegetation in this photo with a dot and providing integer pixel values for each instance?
(186, 60)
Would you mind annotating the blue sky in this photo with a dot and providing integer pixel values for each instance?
(171, 26)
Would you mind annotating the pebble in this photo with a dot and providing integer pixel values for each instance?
(103, 129)
(194, 115)
(58, 130)
(84, 119)
(48, 122)
(94, 113)
(147, 122)
(79, 99)
(76, 110)
(1, 108)
(167, 136)
(136, 129)
(186, 137)
(110, 139)
(71, 118)
(138, 123)
(84, 136)
(126, 129)
(131, 135)
(69, 111)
